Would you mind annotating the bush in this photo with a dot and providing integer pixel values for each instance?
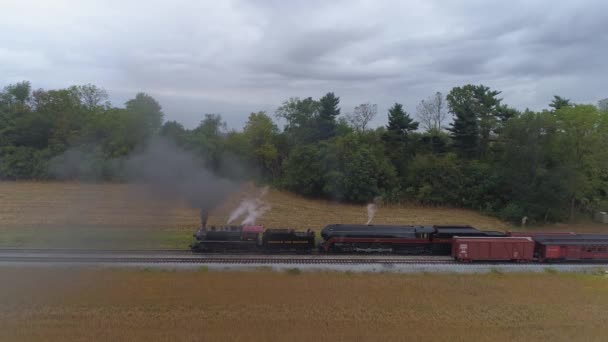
(23, 163)
(512, 212)
(436, 180)
(303, 173)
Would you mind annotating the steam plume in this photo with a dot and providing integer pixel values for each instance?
(371, 211)
(251, 208)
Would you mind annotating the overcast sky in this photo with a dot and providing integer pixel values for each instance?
(235, 57)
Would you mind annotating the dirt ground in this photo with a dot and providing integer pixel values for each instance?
(38, 214)
(103, 304)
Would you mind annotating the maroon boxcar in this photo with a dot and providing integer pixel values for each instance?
(467, 249)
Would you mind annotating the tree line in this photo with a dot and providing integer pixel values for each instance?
(465, 149)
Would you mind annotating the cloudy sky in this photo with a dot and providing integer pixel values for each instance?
(234, 57)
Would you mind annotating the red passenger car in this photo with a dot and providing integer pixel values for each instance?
(575, 248)
(467, 249)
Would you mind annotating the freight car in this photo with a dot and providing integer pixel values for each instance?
(516, 249)
(542, 247)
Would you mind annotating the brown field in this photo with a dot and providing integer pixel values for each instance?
(103, 304)
(127, 206)
(62, 214)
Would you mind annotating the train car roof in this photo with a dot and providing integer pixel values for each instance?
(378, 227)
(457, 231)
(572, 240)
(454, 226)
(494, 233)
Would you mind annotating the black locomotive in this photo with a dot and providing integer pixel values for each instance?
(335, 238)
(235, 239)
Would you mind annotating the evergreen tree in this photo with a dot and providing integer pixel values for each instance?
(400, 124)
(397, 136)
(328, 112)
(477, 115)
(559, 102)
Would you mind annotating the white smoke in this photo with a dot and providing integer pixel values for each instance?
(240, 210)
(256, 213)
(371, 211)
(252, 208)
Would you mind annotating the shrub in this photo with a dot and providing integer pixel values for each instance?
(512, 212)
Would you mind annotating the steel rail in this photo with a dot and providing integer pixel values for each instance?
(213, 260)
(91, 251)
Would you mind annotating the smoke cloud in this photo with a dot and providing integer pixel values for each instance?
(251, 208)
(165, 171)
(169, 171)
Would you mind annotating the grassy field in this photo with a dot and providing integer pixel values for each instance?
(103, 304)
(125, 216)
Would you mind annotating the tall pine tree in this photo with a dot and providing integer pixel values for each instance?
(559, 103)
(400, 124)
(477, 115)
(397, 137)
(328, 112)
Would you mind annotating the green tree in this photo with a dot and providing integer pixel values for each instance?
(174, 131)
(261, 134)
(433, 141)
(301, 117)
(328, 112)
(303, 171)
(92, 98)
(207, 140)
(435, 180)
(477, 115)
(357, 169)
(65, 111)
(16, 96)
(531, 169)
(581, 145)
(148, 112)
(397, 137)
(559, 102)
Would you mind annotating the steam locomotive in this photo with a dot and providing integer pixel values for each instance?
(464, 243)
(335, 238)
(235, 239)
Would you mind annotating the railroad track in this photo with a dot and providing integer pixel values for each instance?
(216, 260)
(92, 251)
(180, 256)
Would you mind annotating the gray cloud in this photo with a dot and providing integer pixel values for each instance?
(234, 57)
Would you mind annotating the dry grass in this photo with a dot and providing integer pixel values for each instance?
(25, 204)
(39, 214)
(53, 304)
